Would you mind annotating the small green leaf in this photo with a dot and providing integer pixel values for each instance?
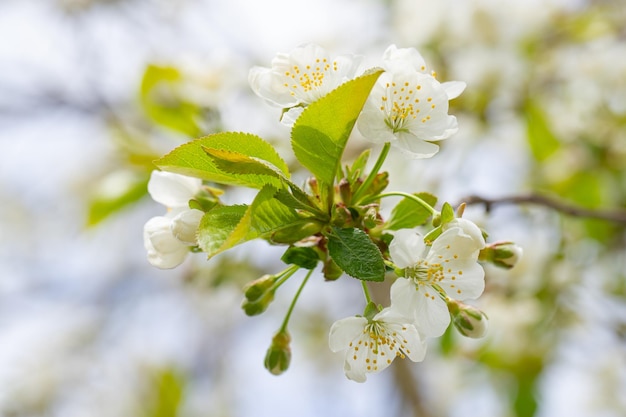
(264, 217)
(320, 134)
(217, 226)
(355, 253)
(541, 139)
(447, 213)
(162, 99)
(304, 257)
(358, 166)
(105, 202)
(409, 214)
(191, 159)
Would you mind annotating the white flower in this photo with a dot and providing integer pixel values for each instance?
(164, 250)
(372, 345)
(301, 77)
(469, 228)
(449, 268)
(398, 60)
(167, 238)
(408, 107)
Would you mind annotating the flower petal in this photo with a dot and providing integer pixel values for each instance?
(431, 312)
(406, 248)
(463, 280)
(415, 148)
(185, 226)
(344, 331)
(453, 88)
(469, 228)
(163, 249)
(173, 190)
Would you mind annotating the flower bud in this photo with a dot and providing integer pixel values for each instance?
(255, 289)
(258, 306)
(278, 355)
(468, 320)
(502, 254)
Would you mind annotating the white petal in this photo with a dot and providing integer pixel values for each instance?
(403, 294)
(371, 124)
(469, 228)
(164, 250)
(406, 248)
(431, 312)
(355, 370)
(185, 226)
(173, 190)
(453, 244)
(344, 331)
(463, 280)
(454, 88)
(398, 59)
(415, 148)
(270, 85)
(290, 116)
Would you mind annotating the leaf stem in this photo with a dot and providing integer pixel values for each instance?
(283, 327)
(405, 195)
(373, 173)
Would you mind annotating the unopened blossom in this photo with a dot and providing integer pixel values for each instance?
(167, 238)
(371, 345)
(300, 77)
(408, 106)
(449, 268)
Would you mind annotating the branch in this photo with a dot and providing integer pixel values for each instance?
(616, 216)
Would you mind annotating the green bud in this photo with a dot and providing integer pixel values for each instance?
(296, 232)
(258, 306)
(345, 191)
(502, 254)
(255, 289)
(370, 219)
(331, 270)
(278, 355)
(468, 320)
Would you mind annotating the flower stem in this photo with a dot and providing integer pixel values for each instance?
(366, 292)
(373, 173)
(284, 276)
(283, 327)
(405, 195)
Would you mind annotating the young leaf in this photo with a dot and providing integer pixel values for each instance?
(541, 139)
(265, 216)
(104, 203)
(356, 254)
(191, 159)
(408, 213)
(304, 257)
(217, 226)
(320, 134)
(358, 166)
(447, 213)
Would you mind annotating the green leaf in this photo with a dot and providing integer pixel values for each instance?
(165, 394)
(320, 134)
(447, 213)
(304, 257)
(161, 99)
(191, 159)
(358, 166)
(355, 253)
(128, 189)
(217, 226)
(541, 139)
(233, 225)
(408, 214)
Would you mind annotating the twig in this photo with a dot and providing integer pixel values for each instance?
(616, 216)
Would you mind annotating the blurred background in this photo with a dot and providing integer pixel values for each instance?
(91, 91)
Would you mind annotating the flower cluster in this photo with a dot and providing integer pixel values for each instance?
(335, 220)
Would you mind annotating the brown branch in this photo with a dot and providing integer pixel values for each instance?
(616, 216)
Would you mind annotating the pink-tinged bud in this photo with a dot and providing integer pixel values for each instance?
(278, 356)
(468, 320)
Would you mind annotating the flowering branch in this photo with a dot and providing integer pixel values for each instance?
(616, 216)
